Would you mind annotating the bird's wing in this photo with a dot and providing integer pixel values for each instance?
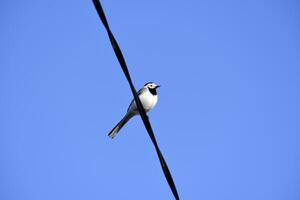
(138, 93)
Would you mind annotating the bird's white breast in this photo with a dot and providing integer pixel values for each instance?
(147, 99)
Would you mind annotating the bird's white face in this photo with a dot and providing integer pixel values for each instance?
(151, 85)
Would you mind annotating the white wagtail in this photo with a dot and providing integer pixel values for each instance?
(148, 97)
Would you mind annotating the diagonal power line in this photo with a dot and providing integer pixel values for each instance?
(143, 114)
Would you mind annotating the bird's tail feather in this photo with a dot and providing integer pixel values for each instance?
(118, 127)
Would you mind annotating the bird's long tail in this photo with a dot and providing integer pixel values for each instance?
(118, 127)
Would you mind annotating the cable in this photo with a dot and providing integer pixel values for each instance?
(143, 114)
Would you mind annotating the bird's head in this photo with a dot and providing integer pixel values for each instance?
(152, 87)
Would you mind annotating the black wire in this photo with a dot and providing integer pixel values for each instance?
(143, 114)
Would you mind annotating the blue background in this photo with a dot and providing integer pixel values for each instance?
(227, 119)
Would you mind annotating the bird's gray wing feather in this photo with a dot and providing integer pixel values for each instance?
(138, 93)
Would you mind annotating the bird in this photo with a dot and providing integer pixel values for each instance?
(148, 98)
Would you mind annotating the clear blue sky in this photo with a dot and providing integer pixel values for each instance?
(227, 119)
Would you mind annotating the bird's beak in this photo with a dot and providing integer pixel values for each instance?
(157, 86)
